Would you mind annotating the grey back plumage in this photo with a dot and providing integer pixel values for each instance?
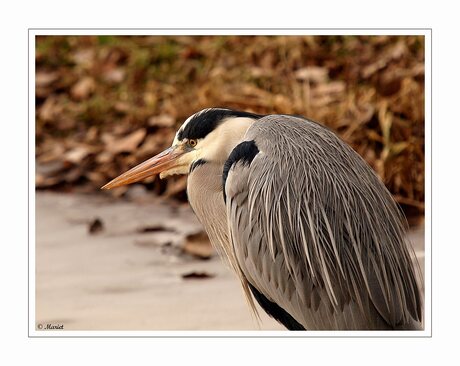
(315, 231)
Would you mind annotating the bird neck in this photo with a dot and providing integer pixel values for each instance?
(204, 190)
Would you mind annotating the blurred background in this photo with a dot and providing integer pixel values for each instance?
(135, 257)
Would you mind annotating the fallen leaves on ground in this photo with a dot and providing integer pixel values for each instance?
(106, 103)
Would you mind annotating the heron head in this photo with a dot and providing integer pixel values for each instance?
(209, 135)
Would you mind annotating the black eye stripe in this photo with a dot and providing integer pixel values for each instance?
(206, 121)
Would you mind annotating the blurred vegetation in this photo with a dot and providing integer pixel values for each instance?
(105, 103)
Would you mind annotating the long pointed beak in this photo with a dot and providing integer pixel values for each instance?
(159, 163)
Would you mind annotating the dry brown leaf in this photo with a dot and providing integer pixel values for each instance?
(394, 53)
(45, 78)
(125, 144)
(104, 157)
(114, 76)
(418, 70)
(154, 228)
(51, 151)
(74, 174)
(119, 191)
(42, 181)
(385, 121)
(163, 120)
(334, 87)
(50, 168)
(398, 147)
(83, 88)
(92, 134)
(97, 177)
(84, 57)
(373, 136)
(198, 245)
(397, 51)
(256, 72)
(50, 109)
(150, 146)
(95, 226)
(122, 107)
(313, 74)
(77, 154)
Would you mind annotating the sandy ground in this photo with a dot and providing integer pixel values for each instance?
(123, 279)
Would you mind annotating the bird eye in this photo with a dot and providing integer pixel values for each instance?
(192, 143)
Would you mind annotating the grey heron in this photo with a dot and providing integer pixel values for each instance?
(310, 230)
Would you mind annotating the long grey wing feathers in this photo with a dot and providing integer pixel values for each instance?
(315, 230)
